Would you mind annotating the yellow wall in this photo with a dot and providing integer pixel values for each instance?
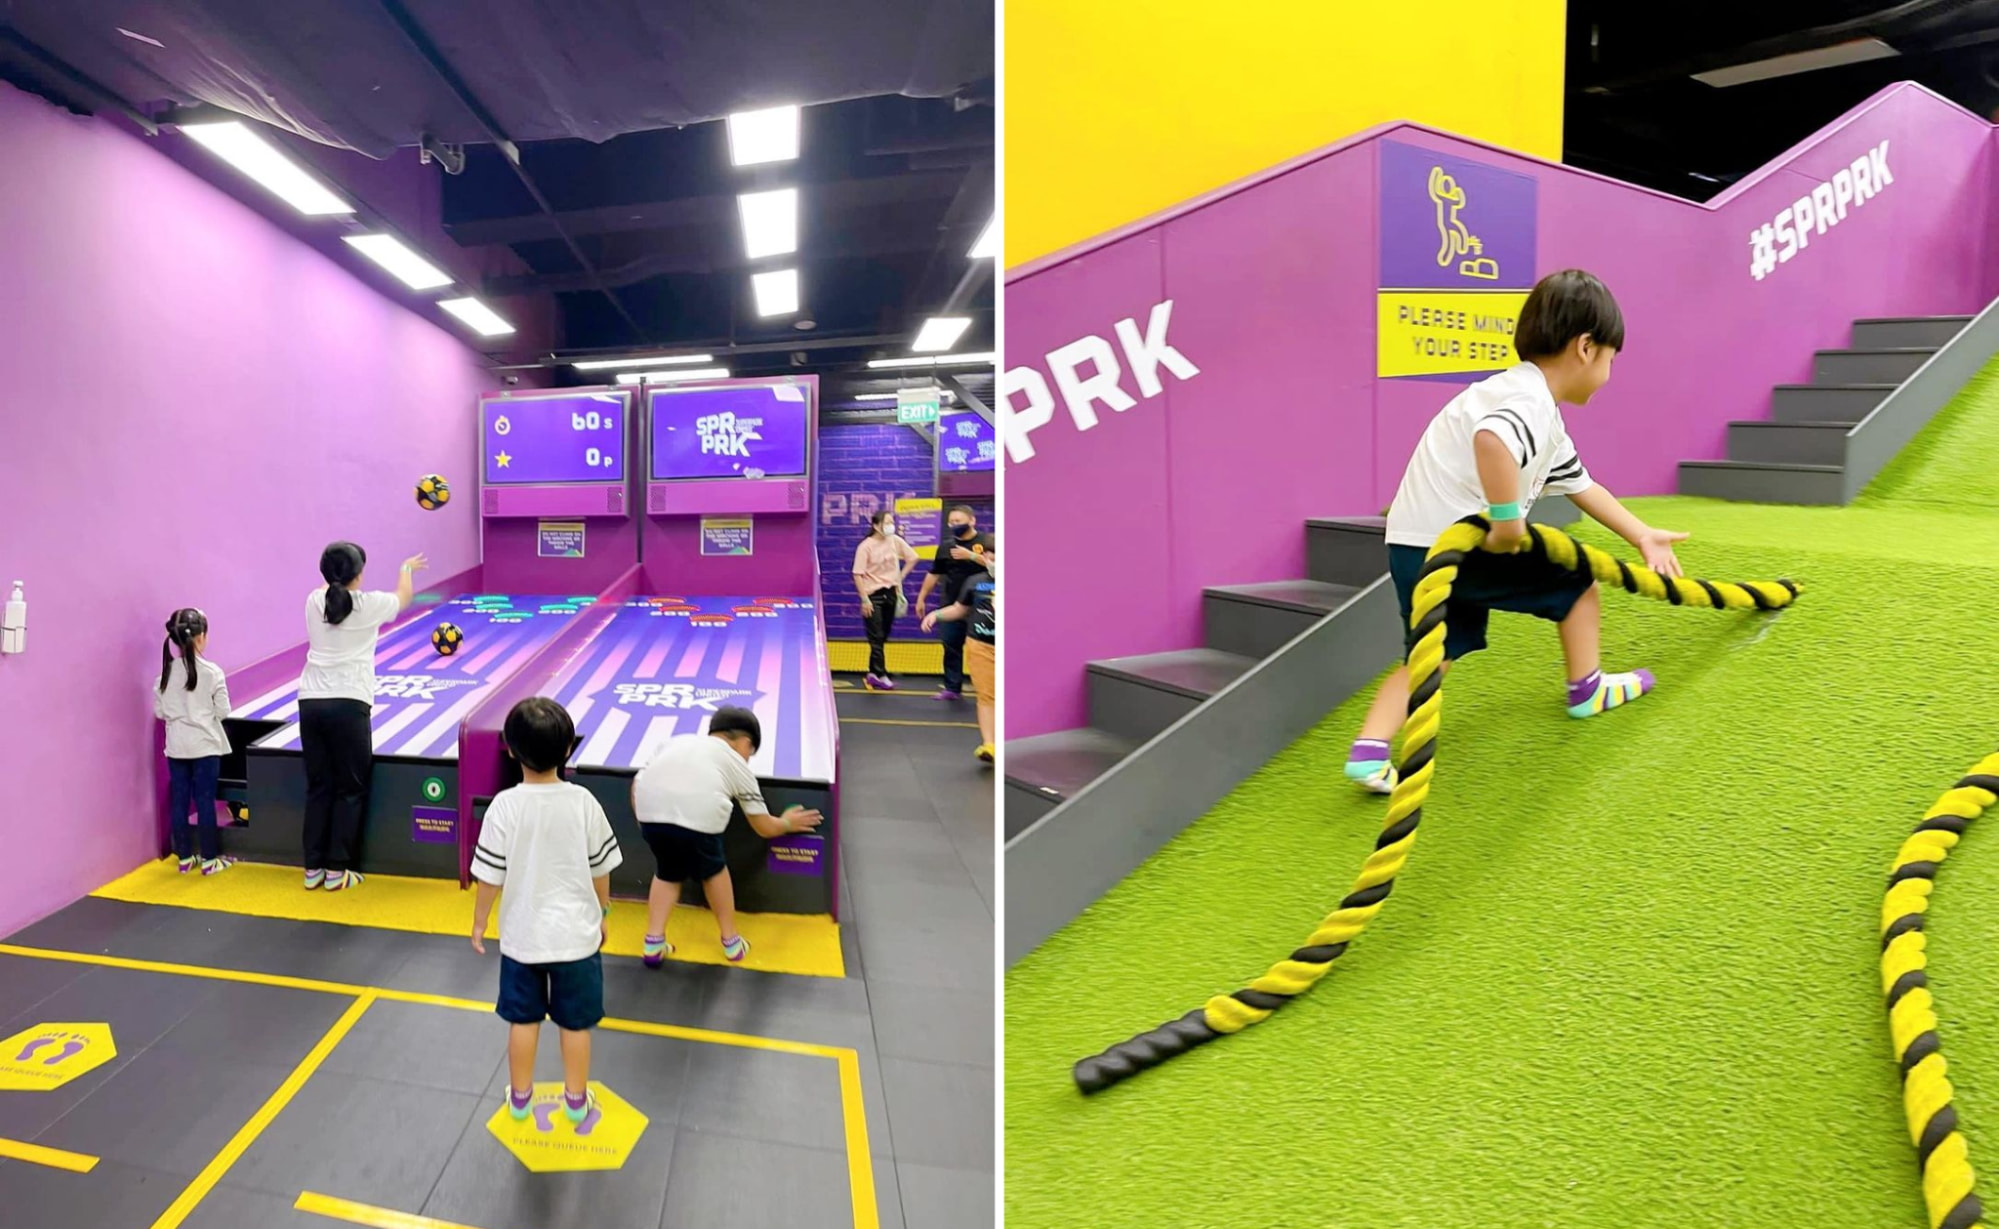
(1115, 109)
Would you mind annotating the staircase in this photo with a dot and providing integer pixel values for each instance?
(1800, 455)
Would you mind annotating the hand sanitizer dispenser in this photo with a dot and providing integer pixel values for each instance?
(14, 623)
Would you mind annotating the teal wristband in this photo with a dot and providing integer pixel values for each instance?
(1504, 512)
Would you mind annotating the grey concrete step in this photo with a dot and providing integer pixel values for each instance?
(1789, 443)
(1044, 770)
(1882, 331)
(1257, 620)
(1763, 482)
(1136, 697)
(1877, 366)
(1349, 550)
(1826, 402)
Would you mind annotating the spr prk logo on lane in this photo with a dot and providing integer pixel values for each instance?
(1777, 241)
(1145, 353)
(416, 686)
(682, 697)
(725, 435)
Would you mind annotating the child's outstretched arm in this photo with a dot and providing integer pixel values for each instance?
(1655, 546)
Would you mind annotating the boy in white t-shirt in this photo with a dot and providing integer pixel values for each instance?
(548, 842)
(683, 798)
(1495, 449)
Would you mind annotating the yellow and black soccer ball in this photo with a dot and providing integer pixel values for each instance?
(432, 492)
(446, 638)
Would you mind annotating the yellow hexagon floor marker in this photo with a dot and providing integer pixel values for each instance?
(548, 1143)
(51, 1055)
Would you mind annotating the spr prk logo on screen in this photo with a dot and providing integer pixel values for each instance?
(416, 686)
(681, 697)
(725, 435)
(1790, 232)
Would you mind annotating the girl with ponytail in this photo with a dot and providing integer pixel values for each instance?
(192, 698)
(336, 698)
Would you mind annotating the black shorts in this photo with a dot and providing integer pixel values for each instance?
(680, 854)
(570, 993)
(1521, 584)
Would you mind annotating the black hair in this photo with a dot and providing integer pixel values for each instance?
(730, 719)
(540, 734)
(875, 521)
(964, 508)
(340, 564)
(182, 627)
(1563, 307)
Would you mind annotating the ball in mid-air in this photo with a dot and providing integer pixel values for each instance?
(446, 638)
(432, 492)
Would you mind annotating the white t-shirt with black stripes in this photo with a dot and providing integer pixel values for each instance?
(542, 845)
(1441, 485)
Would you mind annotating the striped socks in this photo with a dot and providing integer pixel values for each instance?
(1600, 692)
(1368, 766)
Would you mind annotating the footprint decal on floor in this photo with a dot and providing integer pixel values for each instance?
(544, 1117)
(70, 1049)
(28, 1051)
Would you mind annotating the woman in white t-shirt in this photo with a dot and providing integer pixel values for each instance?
(336, 701)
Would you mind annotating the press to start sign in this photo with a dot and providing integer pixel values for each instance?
(51, 1055)
(547, 1142)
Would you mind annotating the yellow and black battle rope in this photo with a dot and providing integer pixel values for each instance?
(1912, 1017)
(1298, 972)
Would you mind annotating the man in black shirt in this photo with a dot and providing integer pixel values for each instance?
(976, 610)
(959, 558)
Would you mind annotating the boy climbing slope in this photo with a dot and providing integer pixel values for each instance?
(1495, 449)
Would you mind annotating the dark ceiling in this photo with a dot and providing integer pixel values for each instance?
(1633, 110)
(593, 145)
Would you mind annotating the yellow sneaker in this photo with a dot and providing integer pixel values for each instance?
(985, 752)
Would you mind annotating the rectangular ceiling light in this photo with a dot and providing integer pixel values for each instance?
(411, 269)
(234, 143)
(777, 293)
(947, 395)
(668, 377)
(763, 136)
(940, 333)
(1858, 51)
(770, 222)
(936, 360)
(988, 245)
(478, 317)
(664, 360)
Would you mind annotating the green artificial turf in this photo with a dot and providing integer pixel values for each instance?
(1629, 977)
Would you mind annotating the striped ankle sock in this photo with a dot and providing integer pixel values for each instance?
(1600, 692)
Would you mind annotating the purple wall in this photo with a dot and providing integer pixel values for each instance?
(863, 468)
(198, 403)
(1272, 283)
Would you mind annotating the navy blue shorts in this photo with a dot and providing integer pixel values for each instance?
(680, 854)
(1521, 584)
(570, 993)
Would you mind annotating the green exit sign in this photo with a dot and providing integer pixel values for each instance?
(917, 405)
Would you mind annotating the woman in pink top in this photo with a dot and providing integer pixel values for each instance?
(880, 564)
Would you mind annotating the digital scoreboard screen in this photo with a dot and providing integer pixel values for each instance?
(746, 431)
(534, 441)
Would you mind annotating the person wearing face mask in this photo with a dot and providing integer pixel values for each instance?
(881, 563)
(963, 556)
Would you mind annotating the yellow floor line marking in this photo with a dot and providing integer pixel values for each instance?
(241, 1141)
(185, 970)
(54, 1158)
(364, 1214)
(860, 1169)
(947, 725)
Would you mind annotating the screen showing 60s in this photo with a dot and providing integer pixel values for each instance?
(752, 431)
(555, 439)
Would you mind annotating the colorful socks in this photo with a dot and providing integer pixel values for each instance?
(1367, 765)
(1600, 692)
(517, 1103)
(655, 950)
(735, 949)
(576, 1105)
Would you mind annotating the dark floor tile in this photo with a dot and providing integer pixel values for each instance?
(358, 1138)
(651, 1073)
(934, 1198)
(233, 1207)
(166, 1110)
(85, 926)
(356, 955)
(941, 1113)
(242, 1022)
(719, 1183)
(821, 1010)
(886, 900)
(674, 993)
(25, 981)
(930, 953)
(487, 1186)
(455, 972)
(761, 1095)
(435, 1047)
(139, 1007)
(933, 1024)
(111, 1196)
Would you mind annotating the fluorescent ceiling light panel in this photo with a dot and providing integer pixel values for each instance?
(777, 293)
(770, 222)
(234, 143)
(988, 245)
(668, 377)
(1858, 51)
(763, 136)
(940, 333)
(946, 394)
(601, 364)
(411, 269)
(480, 318)
(938, 360)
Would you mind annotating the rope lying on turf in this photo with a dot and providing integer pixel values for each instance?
(1912, 1017)
(1297, 973)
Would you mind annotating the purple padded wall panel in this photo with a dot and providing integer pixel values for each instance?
(528, 501)
(729, 496)
(610, 546)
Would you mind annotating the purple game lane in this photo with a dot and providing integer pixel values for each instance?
(648, 676)
(418, 713)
